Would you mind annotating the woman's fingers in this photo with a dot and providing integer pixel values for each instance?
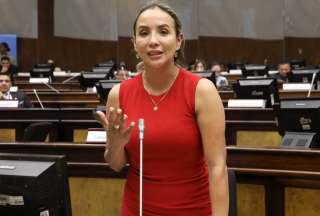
(128, 130)
(112, 115)
(101, 118)
(116, 122)
(123, 121)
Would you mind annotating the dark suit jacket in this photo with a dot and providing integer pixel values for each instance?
(12, 70)
(24, 101)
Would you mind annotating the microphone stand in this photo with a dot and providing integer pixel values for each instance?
(70, 78)
(51, 87)
(141, 134)
(35, 92)
(313, 78)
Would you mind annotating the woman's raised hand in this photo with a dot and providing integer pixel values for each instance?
(114, 122)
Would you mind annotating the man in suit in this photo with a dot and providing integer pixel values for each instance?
(284, 74)
(7, 67)
(5, 94)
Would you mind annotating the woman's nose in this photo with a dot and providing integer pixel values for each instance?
(154, 39)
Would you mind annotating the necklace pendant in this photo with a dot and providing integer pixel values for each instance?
(155, 108)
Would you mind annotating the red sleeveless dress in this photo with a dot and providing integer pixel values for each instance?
(175, 176)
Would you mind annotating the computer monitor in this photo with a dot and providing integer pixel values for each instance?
(89, 79)
(44, 65)
(104, 87)
(108, 67)
(236, 65)
(297, 63)
(34, 185)
(255, 71)
(264, 88)
(42, 73)
(300, 117)
(305, 76)
(207, 74)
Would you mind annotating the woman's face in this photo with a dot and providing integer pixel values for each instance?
(216, 69)
(156, 41)
(199, 67)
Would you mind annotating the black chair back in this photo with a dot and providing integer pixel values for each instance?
(37, 132)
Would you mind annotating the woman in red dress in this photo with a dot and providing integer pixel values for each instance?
(184, 157)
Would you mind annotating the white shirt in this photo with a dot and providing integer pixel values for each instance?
(7, 95)
(221, 81)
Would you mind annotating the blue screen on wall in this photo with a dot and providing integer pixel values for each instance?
(12, 42)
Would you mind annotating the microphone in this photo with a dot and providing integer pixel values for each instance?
(141, 134)
(312, 81)
(35, 92)
(51, 87)
(141, 128)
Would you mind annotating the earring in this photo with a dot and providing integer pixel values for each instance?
(137, 56)
(176, 55)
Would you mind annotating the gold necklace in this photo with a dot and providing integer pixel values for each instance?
(155, 104)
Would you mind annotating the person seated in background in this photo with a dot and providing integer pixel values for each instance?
(199, 66)
(7, 67)
(122, 73)
(216, 69)
(4, 51)
(6, 94)
(284, 69)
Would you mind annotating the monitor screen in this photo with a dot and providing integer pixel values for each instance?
(34, 185)
(304, 76)
(44, 65)
(11, 40)
(104, 87)
(301, 115)
(41, 72)
(108, 67)
(297, 63)
(265, 88)
(207, 74)
(236, 66)
(89, 79)
(255, 71)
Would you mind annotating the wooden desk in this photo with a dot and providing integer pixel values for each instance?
(240, 119)
(298, 94)
(26, 86)
(283, 94)
(56, 78)
(69, 119)
(276, 170)
(279, 171)
(76, 118)
(20, 118)
(65, 99)
(233, 77)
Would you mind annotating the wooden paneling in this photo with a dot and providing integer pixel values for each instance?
(76, 54)
(95, 196)
(235, 49)
(250, 200)
(309, 48)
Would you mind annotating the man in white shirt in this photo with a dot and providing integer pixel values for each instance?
(220, 80)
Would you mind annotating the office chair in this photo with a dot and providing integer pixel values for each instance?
(37, 132)
(232, 193)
